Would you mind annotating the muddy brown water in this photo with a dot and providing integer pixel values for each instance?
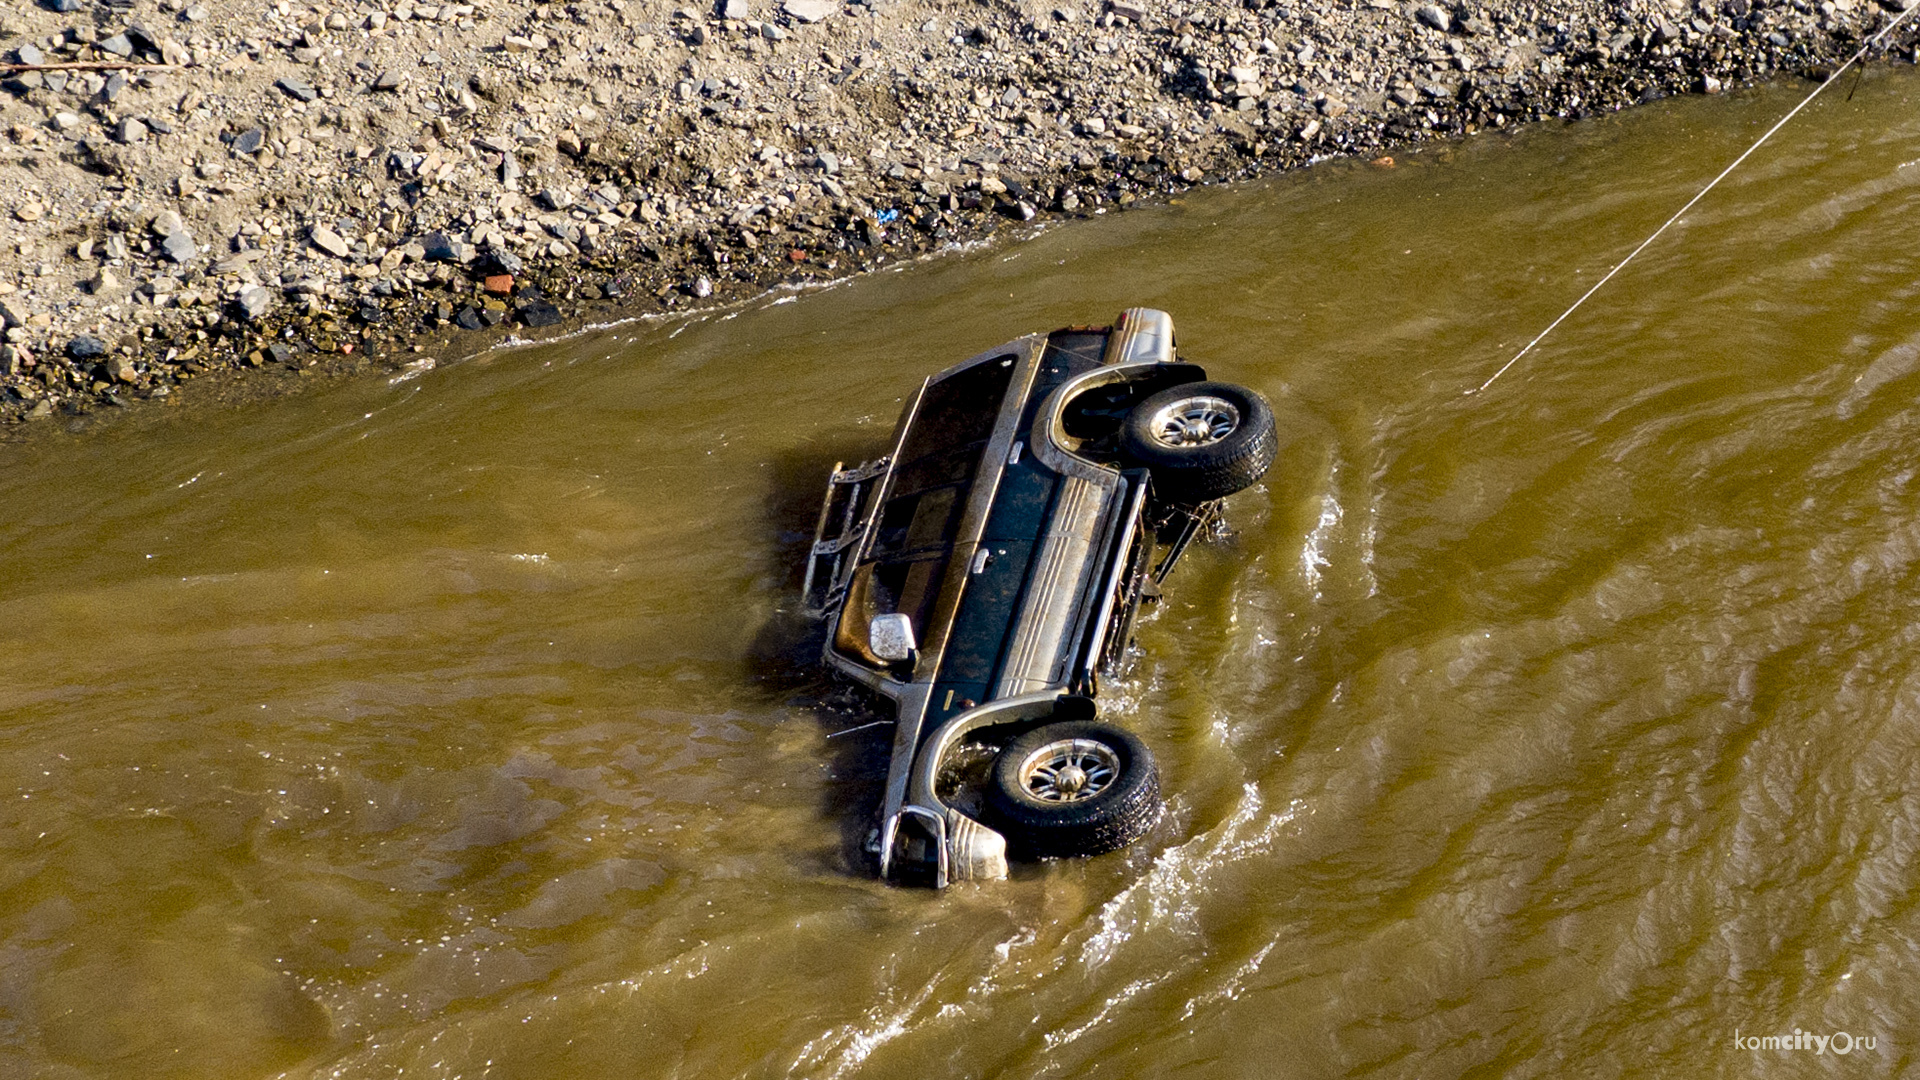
(462, 726)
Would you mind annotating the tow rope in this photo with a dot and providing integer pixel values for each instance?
(1872, 42)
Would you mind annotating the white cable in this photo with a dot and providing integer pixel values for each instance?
(1871, 42)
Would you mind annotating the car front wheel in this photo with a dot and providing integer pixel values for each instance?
(1078, 788)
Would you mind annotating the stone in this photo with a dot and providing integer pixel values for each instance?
(733, 9)
(1435, 16)
(809, 11)
(130, 131)
(498, 284)
(115, 85)
(65, 7)
(296, 89)
(281, 353)
(388, 80)
(1129, 11)
(86, 347)
(121, 369)
(540, 313)
(119, 45)
(227, 264)
(166, 223)
(440, 247)
(702, 287)
(102, 282)
(255, 301)
(330, 242)
(28, 54)
(28, 211)
(469, 318)
(180, 246)
(249, 141)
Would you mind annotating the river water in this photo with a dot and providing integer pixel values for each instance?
(463, 726)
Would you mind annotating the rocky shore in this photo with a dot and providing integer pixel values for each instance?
(221, 188)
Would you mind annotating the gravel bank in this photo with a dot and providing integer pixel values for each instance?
(285, 188)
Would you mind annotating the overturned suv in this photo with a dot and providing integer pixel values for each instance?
(985, 574)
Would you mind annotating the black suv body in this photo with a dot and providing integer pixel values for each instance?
(985, 574)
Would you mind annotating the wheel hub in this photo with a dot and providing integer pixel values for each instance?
(1071, 779)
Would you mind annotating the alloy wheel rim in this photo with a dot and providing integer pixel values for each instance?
(1195, 421)
(1070, 770)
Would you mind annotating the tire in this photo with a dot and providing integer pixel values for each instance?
(1041, 820)
(1225, 445)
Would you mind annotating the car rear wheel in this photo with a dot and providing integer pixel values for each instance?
(1078, 788)
(1201, 441)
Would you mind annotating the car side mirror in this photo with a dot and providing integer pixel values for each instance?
(891, 637)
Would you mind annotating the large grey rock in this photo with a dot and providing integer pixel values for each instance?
(179, 246)
(809, 11)
(86, 347)
(1435, 16)
(296, 89)
(255, 301)
(440, 247)
(330, 242)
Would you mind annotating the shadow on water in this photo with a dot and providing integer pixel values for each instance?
(785, 653)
